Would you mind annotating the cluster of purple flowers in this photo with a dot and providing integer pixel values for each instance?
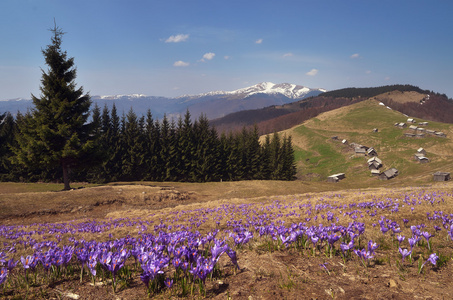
(174, 243)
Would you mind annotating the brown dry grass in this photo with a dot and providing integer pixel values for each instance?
(402, 97)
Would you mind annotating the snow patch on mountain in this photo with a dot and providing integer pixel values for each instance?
(289, 90)
(114, 97)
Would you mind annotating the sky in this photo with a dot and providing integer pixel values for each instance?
(176, 47)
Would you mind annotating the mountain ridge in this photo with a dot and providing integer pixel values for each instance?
(212, 104)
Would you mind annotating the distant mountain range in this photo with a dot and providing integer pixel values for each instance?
(214, 104)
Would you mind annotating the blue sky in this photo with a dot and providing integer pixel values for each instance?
(176, 47)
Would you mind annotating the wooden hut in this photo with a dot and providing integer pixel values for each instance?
(374, 165)
(422, 159)
(389, 174)
(375, 172)
(374, 159)
(371, 152)
(336, 177)
(360, 151)
(441, 176)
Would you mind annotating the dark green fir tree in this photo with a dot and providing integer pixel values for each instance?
(56, 131)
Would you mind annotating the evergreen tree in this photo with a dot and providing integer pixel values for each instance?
(133, 159)
(204, 162)
(7, 133)
(276, 157)
(56, 132)
(289, 169)
(265, 159)
(165, 145)
(113, 160)
(234, 170)
(151, 146)
(186, 146)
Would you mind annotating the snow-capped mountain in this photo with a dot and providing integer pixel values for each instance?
(213, 104)
(288, 90)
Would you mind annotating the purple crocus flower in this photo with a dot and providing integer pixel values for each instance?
(372, 246)
(427, 235)
(346, 247)
(232, 254)
(433, 258)
(2, 257)
(413, 241)
(218, 250)
(400, 238)
(3, 274)
(404, 252)
(11, 264)
(332, 238)
(168, 283)
(27, 262)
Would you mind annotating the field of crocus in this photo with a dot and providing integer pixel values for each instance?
(356, 244)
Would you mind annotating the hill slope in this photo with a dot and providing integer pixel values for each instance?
(407, 99)
(319, 155)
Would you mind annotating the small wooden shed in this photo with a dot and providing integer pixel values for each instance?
(336, 177)
(375, 172)
(360, 151)
(371, 152)
(374, 165)
(389, 174)
(374, 159)
(422, 159)
(441, 176)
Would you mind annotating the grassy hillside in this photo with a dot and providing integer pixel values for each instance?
(319, 156)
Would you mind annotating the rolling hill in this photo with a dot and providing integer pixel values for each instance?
(318, 155)
(407, 99)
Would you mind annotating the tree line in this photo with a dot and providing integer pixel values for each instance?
(131, 148)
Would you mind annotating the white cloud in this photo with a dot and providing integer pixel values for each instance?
(177, 38)
(209, 56)
(259, 41)
(368, 72)
(312, 72)
(226, 57)
(181, 63)
(355, 55)
(288, 54)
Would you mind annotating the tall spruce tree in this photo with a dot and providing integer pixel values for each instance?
(56, 132)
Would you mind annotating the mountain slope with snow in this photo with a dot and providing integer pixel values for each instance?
(213, 104)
